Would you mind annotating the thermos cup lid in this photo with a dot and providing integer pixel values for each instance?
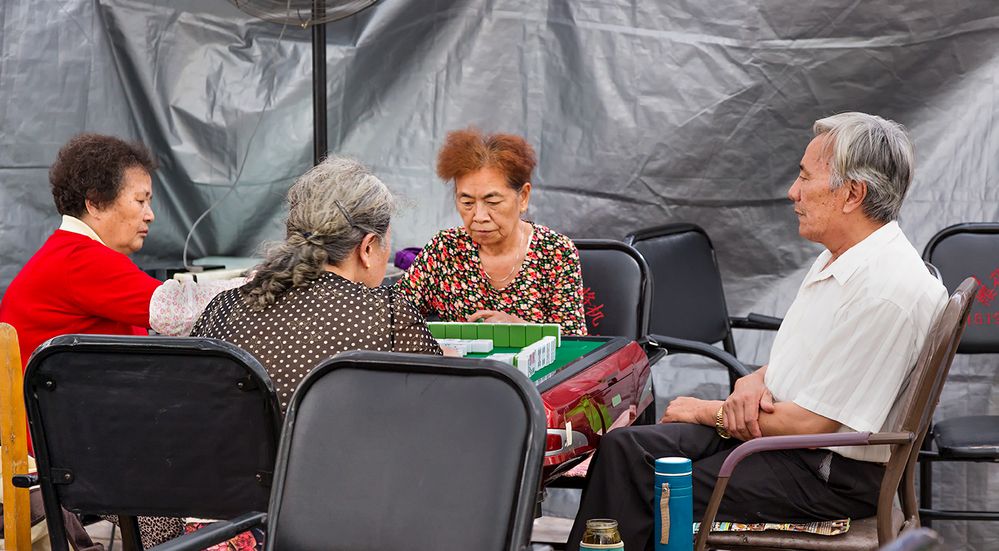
(673, 466)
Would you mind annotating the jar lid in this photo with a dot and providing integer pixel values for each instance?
(601, 524)
(673, 465)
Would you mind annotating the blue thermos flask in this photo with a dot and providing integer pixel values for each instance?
(674, 504)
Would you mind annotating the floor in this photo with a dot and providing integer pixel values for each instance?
(100, 532)
(550, 533)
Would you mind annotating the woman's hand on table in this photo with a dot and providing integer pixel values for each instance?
(450, 352)
(492, 316)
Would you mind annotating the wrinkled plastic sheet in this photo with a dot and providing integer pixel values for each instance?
(641, 112)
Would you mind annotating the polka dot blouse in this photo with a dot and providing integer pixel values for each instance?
(447, 279)
(309, 324)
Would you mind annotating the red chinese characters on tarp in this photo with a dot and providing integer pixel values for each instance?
(986, 295)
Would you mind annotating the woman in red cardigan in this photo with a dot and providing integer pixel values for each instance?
(81, 279)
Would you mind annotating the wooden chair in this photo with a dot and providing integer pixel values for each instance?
(905, 429)
(14, 448)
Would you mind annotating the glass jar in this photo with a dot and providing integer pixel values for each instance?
(601, 533)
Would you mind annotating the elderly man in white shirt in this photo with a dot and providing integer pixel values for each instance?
(839, 359)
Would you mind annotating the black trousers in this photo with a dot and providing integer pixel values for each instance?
(776, 486)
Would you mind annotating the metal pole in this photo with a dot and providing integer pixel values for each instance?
(319, 146)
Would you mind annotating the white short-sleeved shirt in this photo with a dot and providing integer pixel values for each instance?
(854, 333)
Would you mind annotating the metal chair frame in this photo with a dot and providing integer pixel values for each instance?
(726, 356)
(927, 455)
(41, 377)
(520, 523)
(643, 308)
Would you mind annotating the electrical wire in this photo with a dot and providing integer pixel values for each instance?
(239, 172)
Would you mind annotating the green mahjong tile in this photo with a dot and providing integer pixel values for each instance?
(518, 336)
(533, 334)
(501, 336)
(453, 331)
(469, 331)
(438, 330)
(485, 331)
(552, 330)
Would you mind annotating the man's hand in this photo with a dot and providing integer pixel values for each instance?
(492, 316)
(685, 409)
(743, 406)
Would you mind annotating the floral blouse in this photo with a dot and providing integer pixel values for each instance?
(447, 279)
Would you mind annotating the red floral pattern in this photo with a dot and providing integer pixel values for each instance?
(251, 540)
(447, 279)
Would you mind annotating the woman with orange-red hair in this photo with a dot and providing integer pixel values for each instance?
(497, 267)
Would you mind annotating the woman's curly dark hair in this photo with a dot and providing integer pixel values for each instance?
(92, 166)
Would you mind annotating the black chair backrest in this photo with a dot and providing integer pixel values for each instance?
(617, 288)
(154, 426)
(394, 451)
(689, 302)
(971, 250)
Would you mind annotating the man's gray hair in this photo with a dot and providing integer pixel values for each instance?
(867, 148)
(331, 208)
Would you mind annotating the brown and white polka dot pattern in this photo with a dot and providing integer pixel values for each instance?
(309, 324)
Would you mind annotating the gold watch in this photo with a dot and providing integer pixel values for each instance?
(720, 423)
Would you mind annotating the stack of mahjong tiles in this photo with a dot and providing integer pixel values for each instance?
(537, 341)
(467, 346)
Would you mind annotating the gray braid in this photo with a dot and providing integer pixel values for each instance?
(331, 208)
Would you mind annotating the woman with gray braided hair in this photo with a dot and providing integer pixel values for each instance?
(317, 293)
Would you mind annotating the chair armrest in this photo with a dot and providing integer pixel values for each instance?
(803, 441)
(756, 321)
(673, 344)
(798, 441)
(24, 480)
(213, 534)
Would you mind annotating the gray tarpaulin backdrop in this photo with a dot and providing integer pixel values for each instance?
(642, 112)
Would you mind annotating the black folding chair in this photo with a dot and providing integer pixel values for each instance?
(149, 426)
(617, 289)
(958, 252)
(689, 313)
(387, 451)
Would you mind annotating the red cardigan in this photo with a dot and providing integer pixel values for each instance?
(74, 284)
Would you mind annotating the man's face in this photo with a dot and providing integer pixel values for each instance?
(819, 208)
